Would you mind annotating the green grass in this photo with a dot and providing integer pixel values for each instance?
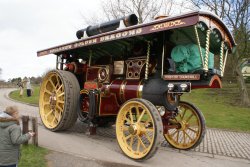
(32, 156)
(219, 106)
(32, 99)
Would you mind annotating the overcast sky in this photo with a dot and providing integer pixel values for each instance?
(27, 26)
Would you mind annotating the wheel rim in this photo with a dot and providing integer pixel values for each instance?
(51, 102)
(135, 130)
(188, 128)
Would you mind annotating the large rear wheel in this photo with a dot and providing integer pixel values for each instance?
(58, 102)
(138, 129)
(187, 128)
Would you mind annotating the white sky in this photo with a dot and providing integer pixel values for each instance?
(27, 26)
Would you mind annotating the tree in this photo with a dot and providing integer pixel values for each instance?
(146, 10)
(236, 14)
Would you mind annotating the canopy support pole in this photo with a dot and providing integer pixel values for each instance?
(199, 44)
(207, 50)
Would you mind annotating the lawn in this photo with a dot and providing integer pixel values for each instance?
(32, 100)
(32, 156)
(219, 106)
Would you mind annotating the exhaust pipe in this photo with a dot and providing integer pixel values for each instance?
(107, 26)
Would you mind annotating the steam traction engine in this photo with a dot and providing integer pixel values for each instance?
(134, 75)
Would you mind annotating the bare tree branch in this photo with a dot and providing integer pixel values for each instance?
(236, 15)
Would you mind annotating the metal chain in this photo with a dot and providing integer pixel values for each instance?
(221, 55)
(199, 44)
(207, 50)
(147, 61)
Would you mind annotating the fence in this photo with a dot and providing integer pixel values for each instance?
(34, 128)
(7, 85)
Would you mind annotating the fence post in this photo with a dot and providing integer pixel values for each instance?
(25, 123)
(35, 129)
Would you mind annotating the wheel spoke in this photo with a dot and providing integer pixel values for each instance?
(173, 133)
(131, 117)
(47, 91)
(60, 101)
(193, 124)
(138, 145)
(56, 116)
(149, 129)
(188, 135)
(53, 120)
(141, 142)
(131, 142)
(143, 112)
(176, 120)
(183, 115)
(128, 137)
(60, 108)
(137, 110)
(195, 131)
(184, 137)
(52, 83)
(189, 117)
(46, 115)
(148, 138)
(58, 80)
(59, 87)
(61, 94)
(128, 121)
(177, 137)
(136, 127)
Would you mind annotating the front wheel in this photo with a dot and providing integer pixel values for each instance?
(58, 100)
(187, 129)
(138, 129)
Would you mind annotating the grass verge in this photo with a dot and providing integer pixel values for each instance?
(32, 99)
(32, 156)
(219, 106)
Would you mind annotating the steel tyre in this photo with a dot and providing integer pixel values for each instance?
(58, 102)
(138, 129)
(191, 129)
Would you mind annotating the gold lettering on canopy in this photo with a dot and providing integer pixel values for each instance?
(121, 35)
(167, 25)
(110, 37)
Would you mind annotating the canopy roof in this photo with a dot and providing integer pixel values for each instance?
(181, 27)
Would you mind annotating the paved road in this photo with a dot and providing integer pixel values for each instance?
(75, 148)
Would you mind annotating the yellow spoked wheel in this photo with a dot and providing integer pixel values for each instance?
(138, 129)
(58, 102)
(188, 127)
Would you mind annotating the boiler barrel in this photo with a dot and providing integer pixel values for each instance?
(126, 89)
